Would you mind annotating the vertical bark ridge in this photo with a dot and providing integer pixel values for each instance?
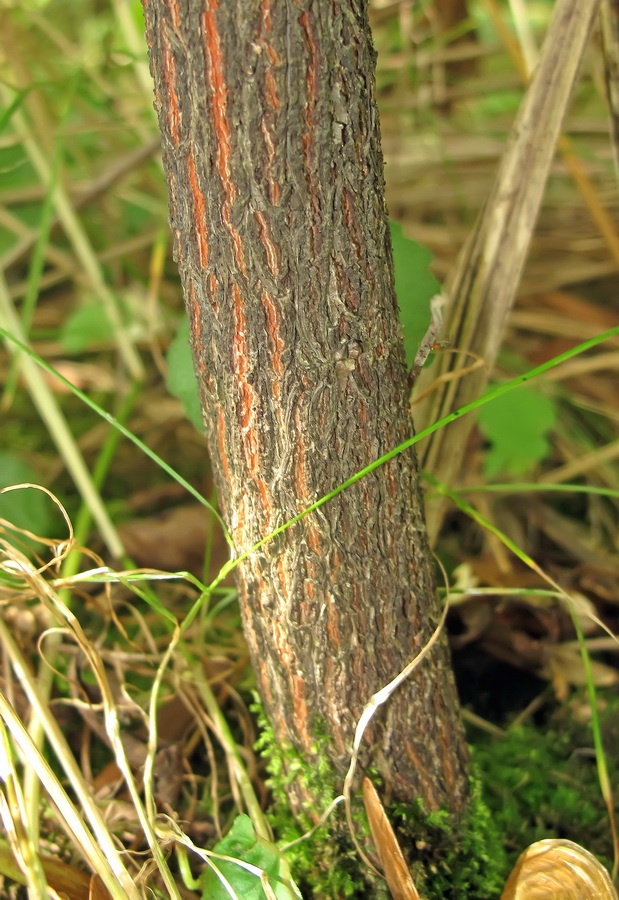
(272, 152)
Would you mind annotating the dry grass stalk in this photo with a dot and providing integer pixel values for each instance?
(484, 287)
(609, 14)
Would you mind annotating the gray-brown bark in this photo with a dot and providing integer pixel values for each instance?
(272, 154)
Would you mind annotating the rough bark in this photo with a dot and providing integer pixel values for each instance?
(272, 153)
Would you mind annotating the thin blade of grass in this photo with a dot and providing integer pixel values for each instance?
(426, 432)
(600, 757)
(541, 487)
(50, 412)
(8, 335)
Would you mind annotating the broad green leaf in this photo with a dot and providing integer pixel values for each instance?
(27, 508)
(181, 381)
(86, 327)
(516, 425)
(242, 843)
(415, 286)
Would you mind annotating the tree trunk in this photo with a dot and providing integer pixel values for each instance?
(272, 152)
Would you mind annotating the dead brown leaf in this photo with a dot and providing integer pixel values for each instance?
(391, 857)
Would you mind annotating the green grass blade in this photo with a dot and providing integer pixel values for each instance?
(441, 423)
(530, 487)
(600, 756)
(118, 425)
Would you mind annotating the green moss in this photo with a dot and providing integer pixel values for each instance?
(541, 784)
(526, 786)
(327, 864)
(454, 857)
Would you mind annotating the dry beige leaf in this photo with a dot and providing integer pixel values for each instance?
(396, 871)
(564, 666)
(558, 870)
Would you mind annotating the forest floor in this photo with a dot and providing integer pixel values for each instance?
(537, 675)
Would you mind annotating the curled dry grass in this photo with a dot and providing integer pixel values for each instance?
(125, 694)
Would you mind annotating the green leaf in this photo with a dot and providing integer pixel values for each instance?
(27, 508)
(242, 843)
(86, 327)
(415, 286)
(516, 425)
(182, 381)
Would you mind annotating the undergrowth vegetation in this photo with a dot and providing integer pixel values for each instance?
(131, 754)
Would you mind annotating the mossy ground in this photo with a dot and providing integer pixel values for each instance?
(533, 783)
(541, 781)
